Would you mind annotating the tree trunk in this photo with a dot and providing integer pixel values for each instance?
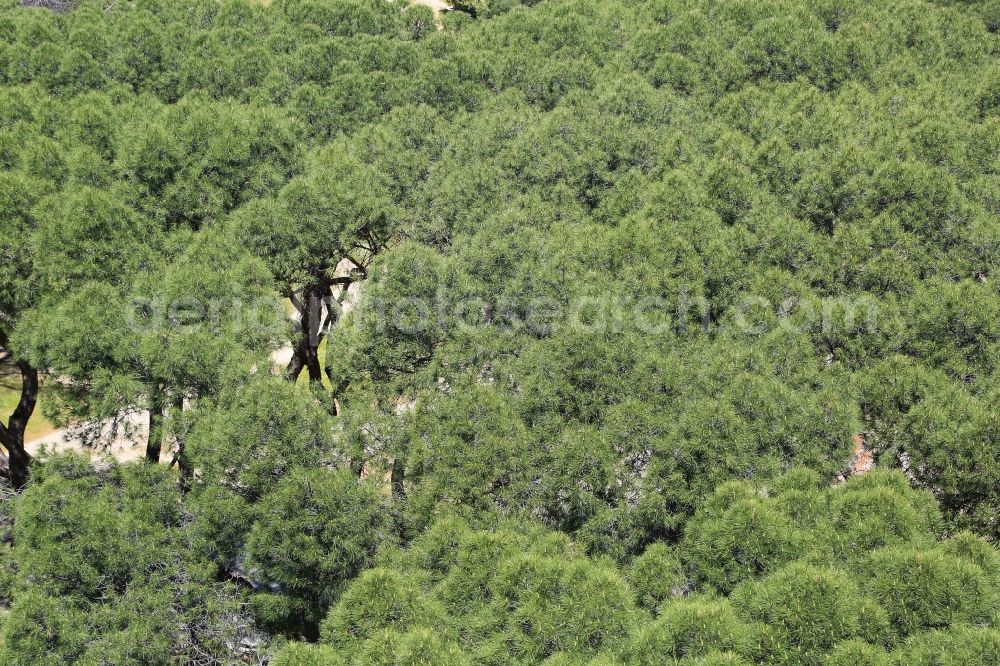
(338, 390)
(396, 477)
(183, 461)
(305, 353)
(12, 435)
(295, 365)
(157, 412)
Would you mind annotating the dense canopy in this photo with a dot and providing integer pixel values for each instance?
(553, 332)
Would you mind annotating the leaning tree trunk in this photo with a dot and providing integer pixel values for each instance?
(12, 435)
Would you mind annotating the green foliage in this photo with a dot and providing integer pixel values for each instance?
(857, 653)
(625, 281)
(879, 510)
(305, 654)
(253, 437)
(399, 323)
(379, 599)
(105, 574)
(957, 645)
(419, 21)
(315, 531)
(514, 593)
(746, 539)
(690, 628)
(810, 609)
(930, 589)
(657, 575)
(488, 596)
(573, 607)
(256, 434)
(71, 242)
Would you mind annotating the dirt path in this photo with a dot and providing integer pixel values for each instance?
(127, 445)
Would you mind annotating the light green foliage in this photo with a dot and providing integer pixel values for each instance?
(954, 646)
(878, 510)
(810, 609)
(379, 599)
(746, 539)
(714, 658)
(519, 595)
(305, 654)
(413, 648)
(857, 653)
(930, 589)
(657, 575)
(690, 628)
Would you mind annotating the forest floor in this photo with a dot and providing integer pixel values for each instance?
(125, 445)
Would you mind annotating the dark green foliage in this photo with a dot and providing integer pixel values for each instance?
(400, 322)
(255, 436)
(315, 531)
(265, 430)
(105, 573)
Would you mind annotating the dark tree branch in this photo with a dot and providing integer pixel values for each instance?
(296, 303)
(361, 267)
(12, 435)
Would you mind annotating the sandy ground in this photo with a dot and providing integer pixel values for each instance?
(123, 446)
(436, 5)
